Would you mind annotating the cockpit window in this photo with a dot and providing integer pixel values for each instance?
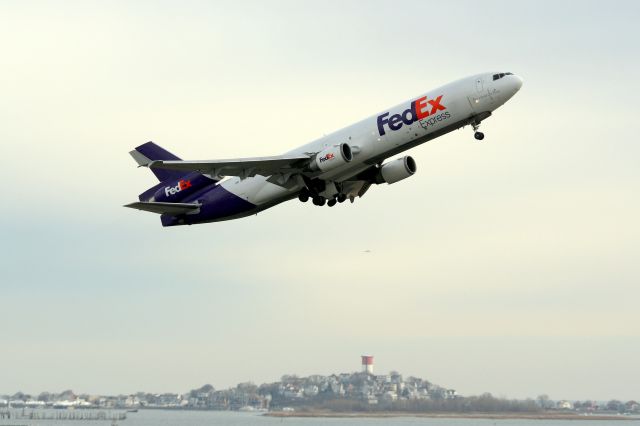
(502, 74)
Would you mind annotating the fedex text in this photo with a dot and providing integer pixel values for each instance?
(419, 109)
(181, 186)
(329, 156)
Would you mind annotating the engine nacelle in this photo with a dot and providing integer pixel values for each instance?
(398, 169)
(331, 158)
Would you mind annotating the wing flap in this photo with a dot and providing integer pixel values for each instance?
(162, 208)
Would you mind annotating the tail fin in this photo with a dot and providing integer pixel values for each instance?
(149, 152)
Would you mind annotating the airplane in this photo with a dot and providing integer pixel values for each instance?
(339, 166)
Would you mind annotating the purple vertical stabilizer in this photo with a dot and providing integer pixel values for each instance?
(153, 152)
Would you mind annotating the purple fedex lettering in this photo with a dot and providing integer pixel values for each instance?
(417, 111)
(395, 122)
(382, 120)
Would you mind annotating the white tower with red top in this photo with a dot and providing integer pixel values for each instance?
(367, 364)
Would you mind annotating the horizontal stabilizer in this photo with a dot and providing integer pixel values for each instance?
(165, 208)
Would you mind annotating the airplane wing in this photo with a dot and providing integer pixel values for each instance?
(161, 208)
(242, 167)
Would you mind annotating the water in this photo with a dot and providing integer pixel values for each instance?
(215, 418)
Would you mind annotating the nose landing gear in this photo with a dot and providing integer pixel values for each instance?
(478, 135)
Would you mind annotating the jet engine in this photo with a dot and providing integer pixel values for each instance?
(331, 158)
(398, 169)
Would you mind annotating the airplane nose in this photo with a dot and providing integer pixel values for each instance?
(517, 81)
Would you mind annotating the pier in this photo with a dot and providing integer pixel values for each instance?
(62, 415)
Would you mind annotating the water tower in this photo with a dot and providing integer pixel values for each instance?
(367, 364)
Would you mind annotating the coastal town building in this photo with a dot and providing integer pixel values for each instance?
(291, 392)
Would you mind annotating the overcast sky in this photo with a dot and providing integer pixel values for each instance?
(508, 266)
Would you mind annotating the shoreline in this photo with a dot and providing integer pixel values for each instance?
(445, 415)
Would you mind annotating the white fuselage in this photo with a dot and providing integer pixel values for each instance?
(466, 101)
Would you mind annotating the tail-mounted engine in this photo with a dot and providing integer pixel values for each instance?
(173, 190)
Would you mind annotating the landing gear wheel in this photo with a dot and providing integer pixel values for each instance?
(478, 135)
(332, 202)
(319, 201)
(342, 198)
(303, 197)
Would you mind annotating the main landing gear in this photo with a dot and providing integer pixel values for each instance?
(478, 135)
(305, 195)
(319, 200)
